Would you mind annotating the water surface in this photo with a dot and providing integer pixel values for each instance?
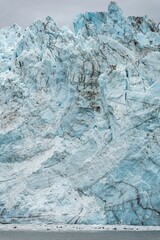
(105, 235)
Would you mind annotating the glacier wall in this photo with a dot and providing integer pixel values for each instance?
(80, 121)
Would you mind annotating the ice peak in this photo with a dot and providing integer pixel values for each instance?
(113, 8)
(51, 23)
(115, 12)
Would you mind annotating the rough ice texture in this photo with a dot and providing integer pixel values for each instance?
(80, 121)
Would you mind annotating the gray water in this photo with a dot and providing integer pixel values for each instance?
(106, 235)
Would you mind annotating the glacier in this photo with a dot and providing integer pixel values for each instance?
(80, 121)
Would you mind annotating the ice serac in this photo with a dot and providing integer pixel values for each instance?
(80, 121)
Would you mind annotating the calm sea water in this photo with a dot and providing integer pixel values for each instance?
(106, 235)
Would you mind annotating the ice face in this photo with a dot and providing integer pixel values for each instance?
(79, 117)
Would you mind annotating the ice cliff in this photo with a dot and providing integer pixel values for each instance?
(80, 121)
